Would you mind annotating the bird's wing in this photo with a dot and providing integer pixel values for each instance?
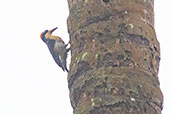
(54, 54)
(57, 60)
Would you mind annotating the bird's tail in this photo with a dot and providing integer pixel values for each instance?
(64, 67)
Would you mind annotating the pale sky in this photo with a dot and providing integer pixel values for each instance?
(30, 80)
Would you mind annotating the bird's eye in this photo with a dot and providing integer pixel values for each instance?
(46, 31)
(42, 35)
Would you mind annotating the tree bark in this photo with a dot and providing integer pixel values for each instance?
(114, 57)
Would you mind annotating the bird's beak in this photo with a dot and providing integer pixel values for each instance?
(53, 30)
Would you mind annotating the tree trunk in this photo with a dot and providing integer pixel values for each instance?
(114, 57)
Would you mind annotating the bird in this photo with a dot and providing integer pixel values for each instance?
(57, 47)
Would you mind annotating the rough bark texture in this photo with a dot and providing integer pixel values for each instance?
(115, 57)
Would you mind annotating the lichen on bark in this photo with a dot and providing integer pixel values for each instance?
(115, 57)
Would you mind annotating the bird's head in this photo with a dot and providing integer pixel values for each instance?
(44, 35)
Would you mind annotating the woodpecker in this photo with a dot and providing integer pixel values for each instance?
(57, 48)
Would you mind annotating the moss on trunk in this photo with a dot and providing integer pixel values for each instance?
(115, 57)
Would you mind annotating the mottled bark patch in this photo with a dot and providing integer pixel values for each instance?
(83, 67)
